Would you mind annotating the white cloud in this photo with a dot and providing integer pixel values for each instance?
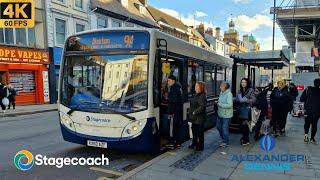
(266, 11)
(266, 43)
(248, 24)
(200, 14)
(189, 19)
(171, 12)
(241, 1)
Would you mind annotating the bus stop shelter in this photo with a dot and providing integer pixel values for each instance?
(266, 59)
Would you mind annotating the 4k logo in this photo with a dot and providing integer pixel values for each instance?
(17, 13)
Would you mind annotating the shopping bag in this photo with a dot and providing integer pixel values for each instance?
(5, 101)
(265, 127)
(255, 114)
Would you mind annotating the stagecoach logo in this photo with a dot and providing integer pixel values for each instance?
(98, 120)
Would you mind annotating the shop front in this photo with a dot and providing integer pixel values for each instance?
(26, 70)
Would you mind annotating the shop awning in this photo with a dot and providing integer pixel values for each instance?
(278, 58)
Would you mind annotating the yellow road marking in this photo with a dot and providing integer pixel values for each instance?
(107, 171)
(104, 178)
(172, 153)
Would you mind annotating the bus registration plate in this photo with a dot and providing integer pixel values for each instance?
(97, 144)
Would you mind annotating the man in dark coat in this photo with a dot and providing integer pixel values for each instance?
(311, 99)
(293, 91)
(3, 94)
(12, 96)
(262, 104)
(175, 109)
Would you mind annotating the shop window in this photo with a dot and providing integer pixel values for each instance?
(21, 37)
(31, 37)
(79, 4)
(60, 31)
(195, 73)
(23, 82)
(9, 36)
(102, 23)
(80, 27)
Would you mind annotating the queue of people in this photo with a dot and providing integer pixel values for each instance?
(7, 97)
(277, 100)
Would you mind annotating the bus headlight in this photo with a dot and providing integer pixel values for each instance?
(134, 128)
(66, 120)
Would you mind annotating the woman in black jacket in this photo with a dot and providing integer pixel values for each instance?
(198, 116)
(280, 100)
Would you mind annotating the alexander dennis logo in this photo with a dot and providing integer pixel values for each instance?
(24, 155)
(24, 160)
(268, 161)
(267, 143)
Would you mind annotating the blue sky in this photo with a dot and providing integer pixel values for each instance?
(251, 16)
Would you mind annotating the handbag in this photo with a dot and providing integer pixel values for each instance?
(244, 112)
(5, 101)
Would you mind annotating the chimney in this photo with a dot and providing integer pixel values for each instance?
(209, 31)
(124, 3)
(144, 2)
(201, 29)
(218, 33)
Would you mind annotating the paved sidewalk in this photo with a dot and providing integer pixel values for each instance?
(215, 163)
(29, 109)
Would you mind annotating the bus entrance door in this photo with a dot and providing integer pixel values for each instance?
(169, 67)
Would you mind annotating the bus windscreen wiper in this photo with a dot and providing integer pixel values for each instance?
(78, 105)
(120, 113)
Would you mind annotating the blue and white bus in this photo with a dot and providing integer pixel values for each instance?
(113, 82)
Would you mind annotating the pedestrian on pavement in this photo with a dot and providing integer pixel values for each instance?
(175, 110)
(245, 99)
(281, 102)
(12, 96)
(293, 91)
(198, 116)
(3, 96)
(225, 113)
(262, 105)
(311, 99)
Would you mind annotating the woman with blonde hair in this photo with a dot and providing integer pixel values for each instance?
(198, 116)
(280, 102)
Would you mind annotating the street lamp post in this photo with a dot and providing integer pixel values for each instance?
(273, 33)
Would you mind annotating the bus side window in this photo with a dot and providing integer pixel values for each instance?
(220, 78)
(195, 73)
(209, 80)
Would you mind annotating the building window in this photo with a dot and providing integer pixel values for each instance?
(102, 23)
(80, 27)
(21, 37)
(60, 31)
(31, 37)
(127, 24)
(1, 36)
(116, 23)
(9, 36)
(79, 4)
